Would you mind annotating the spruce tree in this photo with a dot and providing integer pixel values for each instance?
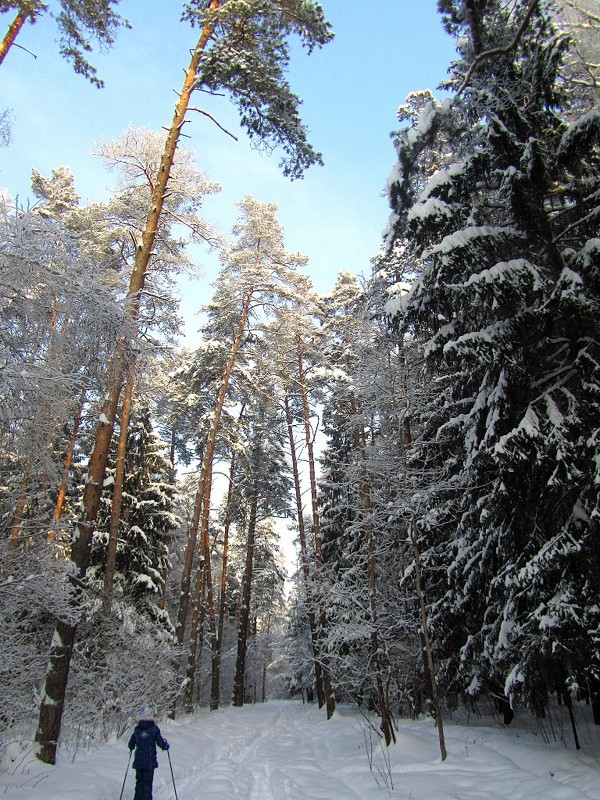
(148, 520)
(500, 239)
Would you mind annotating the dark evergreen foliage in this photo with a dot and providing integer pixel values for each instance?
(503, 238)
(148, 520)
(248, 59)
(79, 22)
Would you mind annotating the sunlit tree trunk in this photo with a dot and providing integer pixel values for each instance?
(53, 695)
(62, 492)
(115, 516)
(12, 33)
(19, 516)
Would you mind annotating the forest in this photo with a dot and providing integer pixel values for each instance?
(428, 434)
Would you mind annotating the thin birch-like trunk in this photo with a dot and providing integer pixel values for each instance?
(427, 641)
(367, 531)
(206, 550)
(327, 690)
(188, 563)
(19, 516)
(209, 605)
(215, 689)
(304, 561)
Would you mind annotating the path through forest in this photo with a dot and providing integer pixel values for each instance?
(287, 751)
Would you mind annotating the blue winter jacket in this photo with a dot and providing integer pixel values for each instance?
(144, 738)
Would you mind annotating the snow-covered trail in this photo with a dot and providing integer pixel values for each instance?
(287, 751)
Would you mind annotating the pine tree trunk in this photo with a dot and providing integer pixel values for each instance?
(207, 570)
(12, 33)
(244, 627)
(115, 516)
(188, 562)
(62, 492)
(53, 696)
(304, 562)
(19, 516)
(263, 694)
(196, 635)
(204, 489)
(326, 676)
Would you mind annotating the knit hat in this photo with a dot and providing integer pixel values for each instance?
(145, 713)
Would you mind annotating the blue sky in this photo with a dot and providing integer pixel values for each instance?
(351, 89)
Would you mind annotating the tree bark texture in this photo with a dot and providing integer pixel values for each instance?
(196, 635)
(12, 33)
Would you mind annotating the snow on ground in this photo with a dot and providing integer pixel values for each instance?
(289, 751)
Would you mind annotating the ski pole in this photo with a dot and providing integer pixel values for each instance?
(172, 776)
(125, 778)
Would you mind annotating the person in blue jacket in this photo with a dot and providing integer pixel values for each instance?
(145, 737)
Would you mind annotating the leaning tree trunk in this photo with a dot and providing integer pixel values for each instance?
(61, 648)
(12, 33)
(244, 627)
(327, 690)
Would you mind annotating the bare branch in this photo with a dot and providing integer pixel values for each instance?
(497, 51)
(217, 123)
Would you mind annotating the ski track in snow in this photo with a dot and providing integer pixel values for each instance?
(286, 751)
(274, 761)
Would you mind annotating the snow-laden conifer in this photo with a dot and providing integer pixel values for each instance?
(501, 244)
